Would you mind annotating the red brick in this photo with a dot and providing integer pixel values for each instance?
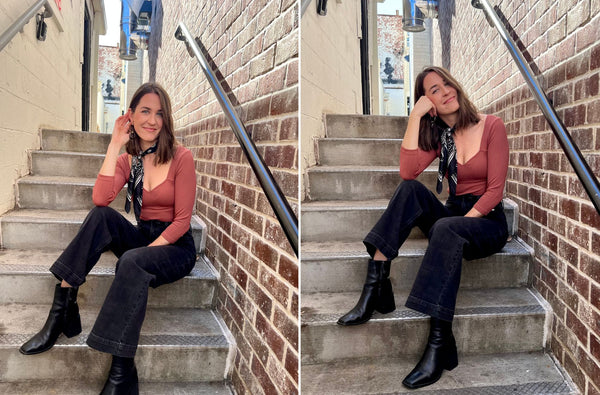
(575, 116)
(264, 131)
(288, 269)
(239, 275)
(590, 267)
(285, 102)
(245, 196)
(291, 364)
(259, 297)
(595, 296)
(289, 129)
(265, 253)
(287, 327)
(263, 377)
(568, 252)
(275, 287)
(570, 208)
(274, 341)
(578, 282)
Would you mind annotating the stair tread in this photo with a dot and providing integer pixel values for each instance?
(366, 140)
(59, 180)
(511, 373)
(69, 153)
(45, 387)
(183, 327)
(312, 251)
(324, 308)
(16, 261)
(46, 215)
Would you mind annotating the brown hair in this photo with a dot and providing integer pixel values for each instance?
(429, 137)
(166, 138)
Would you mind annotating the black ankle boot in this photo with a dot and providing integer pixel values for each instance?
(376, 295)
(439, 354)
(63, 318)
(122, 378)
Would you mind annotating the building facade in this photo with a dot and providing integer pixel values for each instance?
(557, 218)
(254, 44)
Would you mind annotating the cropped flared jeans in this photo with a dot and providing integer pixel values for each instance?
(451, 237)
(117, 328)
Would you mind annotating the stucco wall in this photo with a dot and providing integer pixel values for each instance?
(40, 86)
(331, 79)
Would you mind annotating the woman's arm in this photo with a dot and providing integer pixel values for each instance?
(112, 175)
(412, 159)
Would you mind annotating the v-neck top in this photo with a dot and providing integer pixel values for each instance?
(170, 201)
(482, 175)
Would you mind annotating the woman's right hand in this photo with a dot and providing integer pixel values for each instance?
(423, 106)
(120, 135)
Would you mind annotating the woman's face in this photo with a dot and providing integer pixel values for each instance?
(443, 96)
(147, 119)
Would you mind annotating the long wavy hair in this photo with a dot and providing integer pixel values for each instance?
(166, 138)
(429, 132)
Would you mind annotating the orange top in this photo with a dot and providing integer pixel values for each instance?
(170, 201)
(483, 175)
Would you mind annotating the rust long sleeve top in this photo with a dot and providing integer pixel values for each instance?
(170, 201)
(483, 175)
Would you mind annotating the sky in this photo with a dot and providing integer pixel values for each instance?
(389, 7)
(113, 14)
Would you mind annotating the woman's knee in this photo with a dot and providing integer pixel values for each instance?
(444, 227)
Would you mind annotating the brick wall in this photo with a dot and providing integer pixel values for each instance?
(390, 42)
(109, 68)
(255, 45)
(557, 218)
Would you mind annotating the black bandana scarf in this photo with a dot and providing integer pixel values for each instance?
(135, 185)
(447, 161)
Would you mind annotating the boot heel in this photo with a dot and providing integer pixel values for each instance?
(386, 303)
(451, 356)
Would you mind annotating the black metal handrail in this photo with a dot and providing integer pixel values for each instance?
(22, 21)
(278, 202)
(581, 167)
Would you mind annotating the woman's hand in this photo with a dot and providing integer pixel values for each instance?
(423, 106)
(120, 135)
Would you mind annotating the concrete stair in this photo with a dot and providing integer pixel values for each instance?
(501, 323)
(185, 347)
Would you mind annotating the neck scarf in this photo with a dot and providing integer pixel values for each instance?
(447, 161)
(135, 185)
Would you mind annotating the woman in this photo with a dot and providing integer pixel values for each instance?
(473, 151)
(161, 183)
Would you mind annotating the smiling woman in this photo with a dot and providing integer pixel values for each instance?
(159, 250)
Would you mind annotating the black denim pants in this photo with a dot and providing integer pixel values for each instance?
(451, 237)
(117, 328)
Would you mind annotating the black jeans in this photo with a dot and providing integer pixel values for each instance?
(451, 237)
(117, 328)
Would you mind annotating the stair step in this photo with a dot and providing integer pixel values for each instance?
(352, 220)
(342, 267)
(46, 387)
(495, 374)
(75, 141)
(24, 278)
(60, 193)
(359, 151)
(487, 321)
(54, 229)
(68, 164)
(361, 182)
(175, 345)
(369, 126)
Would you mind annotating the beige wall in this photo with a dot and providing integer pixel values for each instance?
(331, 82)
(40, 85)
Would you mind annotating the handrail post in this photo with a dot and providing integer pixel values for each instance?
(17, 25)
(581, 167)
(278, 202)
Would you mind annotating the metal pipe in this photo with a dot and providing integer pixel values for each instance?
(278, 202)
(127, 48)
(22, 21)
(581, 167)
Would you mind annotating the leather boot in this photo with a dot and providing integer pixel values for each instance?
(377, 295)
(439, 354)
(63, 318)
(122, 378)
